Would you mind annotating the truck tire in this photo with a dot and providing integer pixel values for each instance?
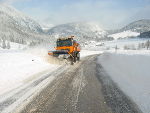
(71, 60)
(78, 56)
(74, 57)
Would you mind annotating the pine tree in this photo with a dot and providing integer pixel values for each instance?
(32, 43)
(116, 48)
(0, 40)
(125, 47)
(147, 44)
(139, 46)
(4, 44)
(8, 45)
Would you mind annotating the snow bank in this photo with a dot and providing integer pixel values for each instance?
(131, 72)
(19, 66)
(129, 52)
(85, 53)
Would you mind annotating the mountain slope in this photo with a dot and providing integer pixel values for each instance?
(83, 31)
(19, 28)
(138, 26)
(132, 30)
(12, 17)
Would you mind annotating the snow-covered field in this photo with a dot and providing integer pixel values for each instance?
(124, 42)
(130, 70)
(111, 45)
(124, 34)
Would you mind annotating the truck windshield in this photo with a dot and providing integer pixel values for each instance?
(61, 43)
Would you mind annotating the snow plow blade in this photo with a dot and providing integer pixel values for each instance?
(58, 52)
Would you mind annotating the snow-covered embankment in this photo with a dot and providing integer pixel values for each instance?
(130, 70)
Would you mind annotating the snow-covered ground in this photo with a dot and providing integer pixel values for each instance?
(130, 70)
(19, 67)
(109, 45)
(16, 67)
(85, 53)
(124, 42)
(24, 73)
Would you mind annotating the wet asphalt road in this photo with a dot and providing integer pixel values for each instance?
(83, 88)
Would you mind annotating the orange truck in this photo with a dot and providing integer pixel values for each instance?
(68, 48)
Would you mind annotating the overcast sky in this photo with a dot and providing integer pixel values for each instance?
(109, 14)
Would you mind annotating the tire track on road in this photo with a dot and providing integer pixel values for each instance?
(11, 99)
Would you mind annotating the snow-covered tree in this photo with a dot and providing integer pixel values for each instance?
(8, 45)
(139, 46)
(143, 45)
(0, 40)
(32, 43)
(126, 47)
(132, 47)
(147, 44)
(4, 44)
(116, 47)
(11, 38)
(22, 41)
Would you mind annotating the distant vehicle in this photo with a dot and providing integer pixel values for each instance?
(68, 48)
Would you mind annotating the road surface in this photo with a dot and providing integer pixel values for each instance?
(83, 88)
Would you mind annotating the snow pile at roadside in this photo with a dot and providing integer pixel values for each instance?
(130, 52)
(124, 34)
(85, 53)
(131, 72)
(16, 67)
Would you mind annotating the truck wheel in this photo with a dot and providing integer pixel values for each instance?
(74, 59)
(71, 60)
(78, 57)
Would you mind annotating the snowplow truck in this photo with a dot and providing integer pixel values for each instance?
(68, 48)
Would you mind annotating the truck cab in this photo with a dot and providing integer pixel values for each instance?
(67, 47)
(68, 44)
